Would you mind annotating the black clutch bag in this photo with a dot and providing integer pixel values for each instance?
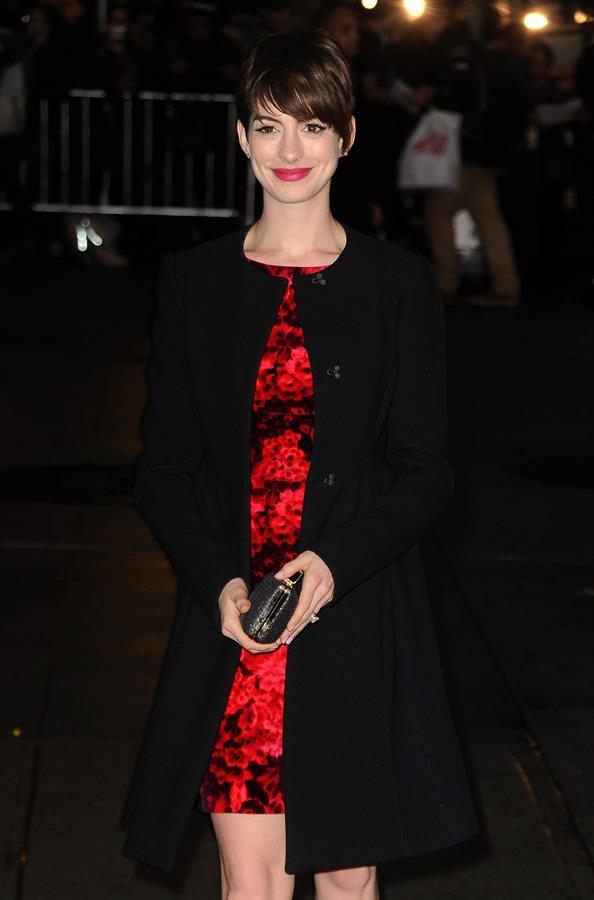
(273, 604)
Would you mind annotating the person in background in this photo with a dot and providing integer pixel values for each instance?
(248, 22)
(466, 81)
(585, 149)
(543, 85)
(117, 62)
(278, 16)
(46, 53)
(381, 100)
(201, 58)
(358, 184)
(585, 75)
(13, 117)
(554, 108)
(40, 53)
(71, 11)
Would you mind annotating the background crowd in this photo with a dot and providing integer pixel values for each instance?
(527, 117)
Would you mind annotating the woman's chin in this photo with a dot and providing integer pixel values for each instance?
(296, 191)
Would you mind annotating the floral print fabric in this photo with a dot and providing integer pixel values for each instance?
(244, 774)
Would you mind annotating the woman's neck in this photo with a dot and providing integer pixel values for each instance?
(294, 240)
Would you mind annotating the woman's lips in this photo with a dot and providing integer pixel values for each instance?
(291, 174)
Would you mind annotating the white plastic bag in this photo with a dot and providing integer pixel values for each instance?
(431, 158)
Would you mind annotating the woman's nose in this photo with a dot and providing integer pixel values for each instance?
(290, 147)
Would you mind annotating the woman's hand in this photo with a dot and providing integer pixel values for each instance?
(233, 601)
(317, 590)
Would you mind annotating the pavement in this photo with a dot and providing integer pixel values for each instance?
(88, 598)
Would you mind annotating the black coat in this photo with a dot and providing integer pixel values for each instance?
(371, 764)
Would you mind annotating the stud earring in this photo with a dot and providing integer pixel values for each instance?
(346, 153)
(249, 156)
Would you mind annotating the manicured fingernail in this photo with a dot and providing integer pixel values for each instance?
(289, 639)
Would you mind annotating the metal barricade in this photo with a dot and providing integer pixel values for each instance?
(150, 153)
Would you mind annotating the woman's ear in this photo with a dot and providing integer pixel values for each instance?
(345, 146)
(353, 132)
(242, 137)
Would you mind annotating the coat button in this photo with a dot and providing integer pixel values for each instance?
(333, 371)
(329, 479)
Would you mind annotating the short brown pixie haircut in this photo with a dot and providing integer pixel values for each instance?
(304, 74)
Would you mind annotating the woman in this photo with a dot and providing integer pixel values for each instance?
(296, 421)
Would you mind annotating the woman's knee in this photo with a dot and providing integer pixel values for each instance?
(257, 883)
(252, 853)
(346, 882)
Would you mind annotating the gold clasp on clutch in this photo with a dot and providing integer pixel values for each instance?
(289, 583)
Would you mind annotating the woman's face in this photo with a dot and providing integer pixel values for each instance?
(292, 160)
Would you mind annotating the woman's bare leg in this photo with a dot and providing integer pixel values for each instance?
(252, 856)
(359, 883)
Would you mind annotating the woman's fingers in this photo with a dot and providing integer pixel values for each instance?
(319, 597)
(232, 602)
(297, 630)
(242, 604)
(303, 618)
(317, 590)
(300, 562)
(231, 628)
(312, 598)
(235, 591)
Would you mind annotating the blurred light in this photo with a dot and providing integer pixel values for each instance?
(81, 238)
(504, 9)
(414, 8)
(85, 233)
(534, 21)
(580, 17)
(16, 731)
(368, 4)
(92, 235)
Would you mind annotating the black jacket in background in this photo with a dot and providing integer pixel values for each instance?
(490, 88)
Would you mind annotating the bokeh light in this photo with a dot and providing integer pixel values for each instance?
(414, 8)
(535, 21)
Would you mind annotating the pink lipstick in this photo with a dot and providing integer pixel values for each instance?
(291, 174)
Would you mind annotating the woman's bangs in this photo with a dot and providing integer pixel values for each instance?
(296, 103)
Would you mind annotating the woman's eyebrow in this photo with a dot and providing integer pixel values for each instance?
(271, 119)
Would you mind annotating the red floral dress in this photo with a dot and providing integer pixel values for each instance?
(244, 772)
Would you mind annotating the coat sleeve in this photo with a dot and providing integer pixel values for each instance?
(172, 458)
(416, 447)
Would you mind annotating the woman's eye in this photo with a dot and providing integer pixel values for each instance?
(312, 127)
